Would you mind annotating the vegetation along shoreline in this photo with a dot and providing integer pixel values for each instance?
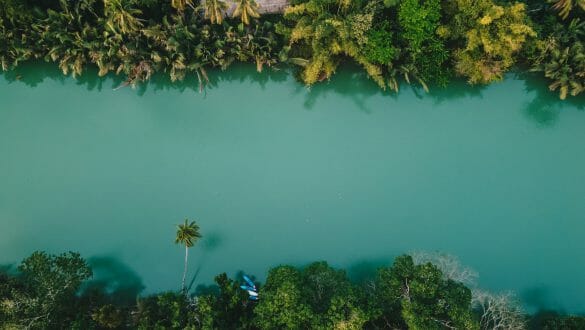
(423, 42)
(419, 290)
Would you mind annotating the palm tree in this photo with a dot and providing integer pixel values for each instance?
(564, 7)
(180, 5)
(214, 10)
(187, 234)
(121, 17)
(566, 68)
(246, 9)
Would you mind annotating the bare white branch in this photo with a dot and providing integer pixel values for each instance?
(498, 311)
(449, 265)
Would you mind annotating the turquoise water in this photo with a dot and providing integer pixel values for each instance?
(275, 173)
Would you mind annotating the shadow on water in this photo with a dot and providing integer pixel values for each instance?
(115, 279)
(206, 289)
(237, 72)
(350, 82)
(34, 73)
(537, 298)
(209, 243)
(458, 88)
(545, 107)
(365, 270)
(7, 268)
(247, 73)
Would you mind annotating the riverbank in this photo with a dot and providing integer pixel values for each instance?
(388, 40)
(422, 290)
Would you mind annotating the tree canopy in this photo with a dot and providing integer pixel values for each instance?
(49, 291)
(421, 41)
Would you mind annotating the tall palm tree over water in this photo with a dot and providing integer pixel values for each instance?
(246, 9)
(214, 10)
(187, 234)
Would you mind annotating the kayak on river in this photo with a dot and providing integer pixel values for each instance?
(249, 281)
(250, 288)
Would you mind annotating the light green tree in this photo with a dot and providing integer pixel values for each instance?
(331, 30)
(491, 34)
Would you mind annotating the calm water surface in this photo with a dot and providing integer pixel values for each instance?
(278, 174)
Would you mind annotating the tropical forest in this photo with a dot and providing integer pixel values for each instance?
(424, 42)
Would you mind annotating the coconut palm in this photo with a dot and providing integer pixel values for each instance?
(215, 10)
(564, 7)
(180, 5)
(121, 17)
(561, 57)
(246, 9)
(187, 234)
(566, 69)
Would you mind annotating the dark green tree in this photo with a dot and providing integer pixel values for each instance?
(425, 56)
(228, 309)
(169, 310)
(335, 302)
(422, 297)
(281, 304)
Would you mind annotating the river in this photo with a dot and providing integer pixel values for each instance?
(275, 173)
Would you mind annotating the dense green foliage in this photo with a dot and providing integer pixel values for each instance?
(135, 38)
(487, 36)
(425, 41)
(560, 52)
(41, 295)
(425, 51)
(423, 298)
(386, 42)
(52, 292)
(325, 31)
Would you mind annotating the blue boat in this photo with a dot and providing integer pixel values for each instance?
(249, 281)
(247, 288)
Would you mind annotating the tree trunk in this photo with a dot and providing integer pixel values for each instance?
(185, 269)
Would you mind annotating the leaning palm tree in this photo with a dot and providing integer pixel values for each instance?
(246, 9)
(187, 234)
(215, 10)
